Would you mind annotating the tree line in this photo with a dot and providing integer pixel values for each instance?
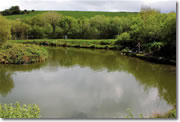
(14, 10)
(150, 29)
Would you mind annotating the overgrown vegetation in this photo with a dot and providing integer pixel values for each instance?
(19, 111)
(22, 54)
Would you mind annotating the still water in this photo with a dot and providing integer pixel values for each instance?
(84, 83)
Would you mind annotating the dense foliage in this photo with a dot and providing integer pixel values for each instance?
(21, 54)
(14, 10)
(19, 111)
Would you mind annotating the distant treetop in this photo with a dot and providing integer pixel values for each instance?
(14, 10)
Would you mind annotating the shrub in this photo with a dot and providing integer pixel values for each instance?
(154, 47)
(22, 54)
(123, 37)
(125, 41)
(19, 111)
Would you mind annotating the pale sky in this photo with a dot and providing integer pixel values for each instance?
(91, 5)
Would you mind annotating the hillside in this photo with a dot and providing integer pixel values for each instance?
(75, 14)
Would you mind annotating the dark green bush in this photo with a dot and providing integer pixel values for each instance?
(127, 44)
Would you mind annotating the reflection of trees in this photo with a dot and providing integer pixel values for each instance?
(6, 72)
(162, 77)
(159, 76)
(6, 82)
(94, 59)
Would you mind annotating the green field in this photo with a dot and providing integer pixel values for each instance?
(76, 14)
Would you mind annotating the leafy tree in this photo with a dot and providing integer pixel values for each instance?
(115, 27)
(5, 32)
(19, 30)
(84, 28)
(151, 27)
(168, 34)
(69, 25)
(12, 11)
(146, 27)
(136, 28)
(40, 28)
(15, 10)
(169, 28)
(53, 19)
(124, 37)
(100, 25)
(126, 23)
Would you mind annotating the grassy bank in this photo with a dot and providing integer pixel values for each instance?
(75, 14)
(78, 43)
(95, 44)
(21, 54)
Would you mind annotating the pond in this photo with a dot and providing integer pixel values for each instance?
(86, 83)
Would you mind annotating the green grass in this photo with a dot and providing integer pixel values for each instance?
(79, 43)
(76, 14)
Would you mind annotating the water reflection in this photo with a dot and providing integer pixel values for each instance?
(83, 83)
(162, 77)
(6, 82)
(6, 72)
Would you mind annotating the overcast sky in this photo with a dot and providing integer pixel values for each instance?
(91, 5)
